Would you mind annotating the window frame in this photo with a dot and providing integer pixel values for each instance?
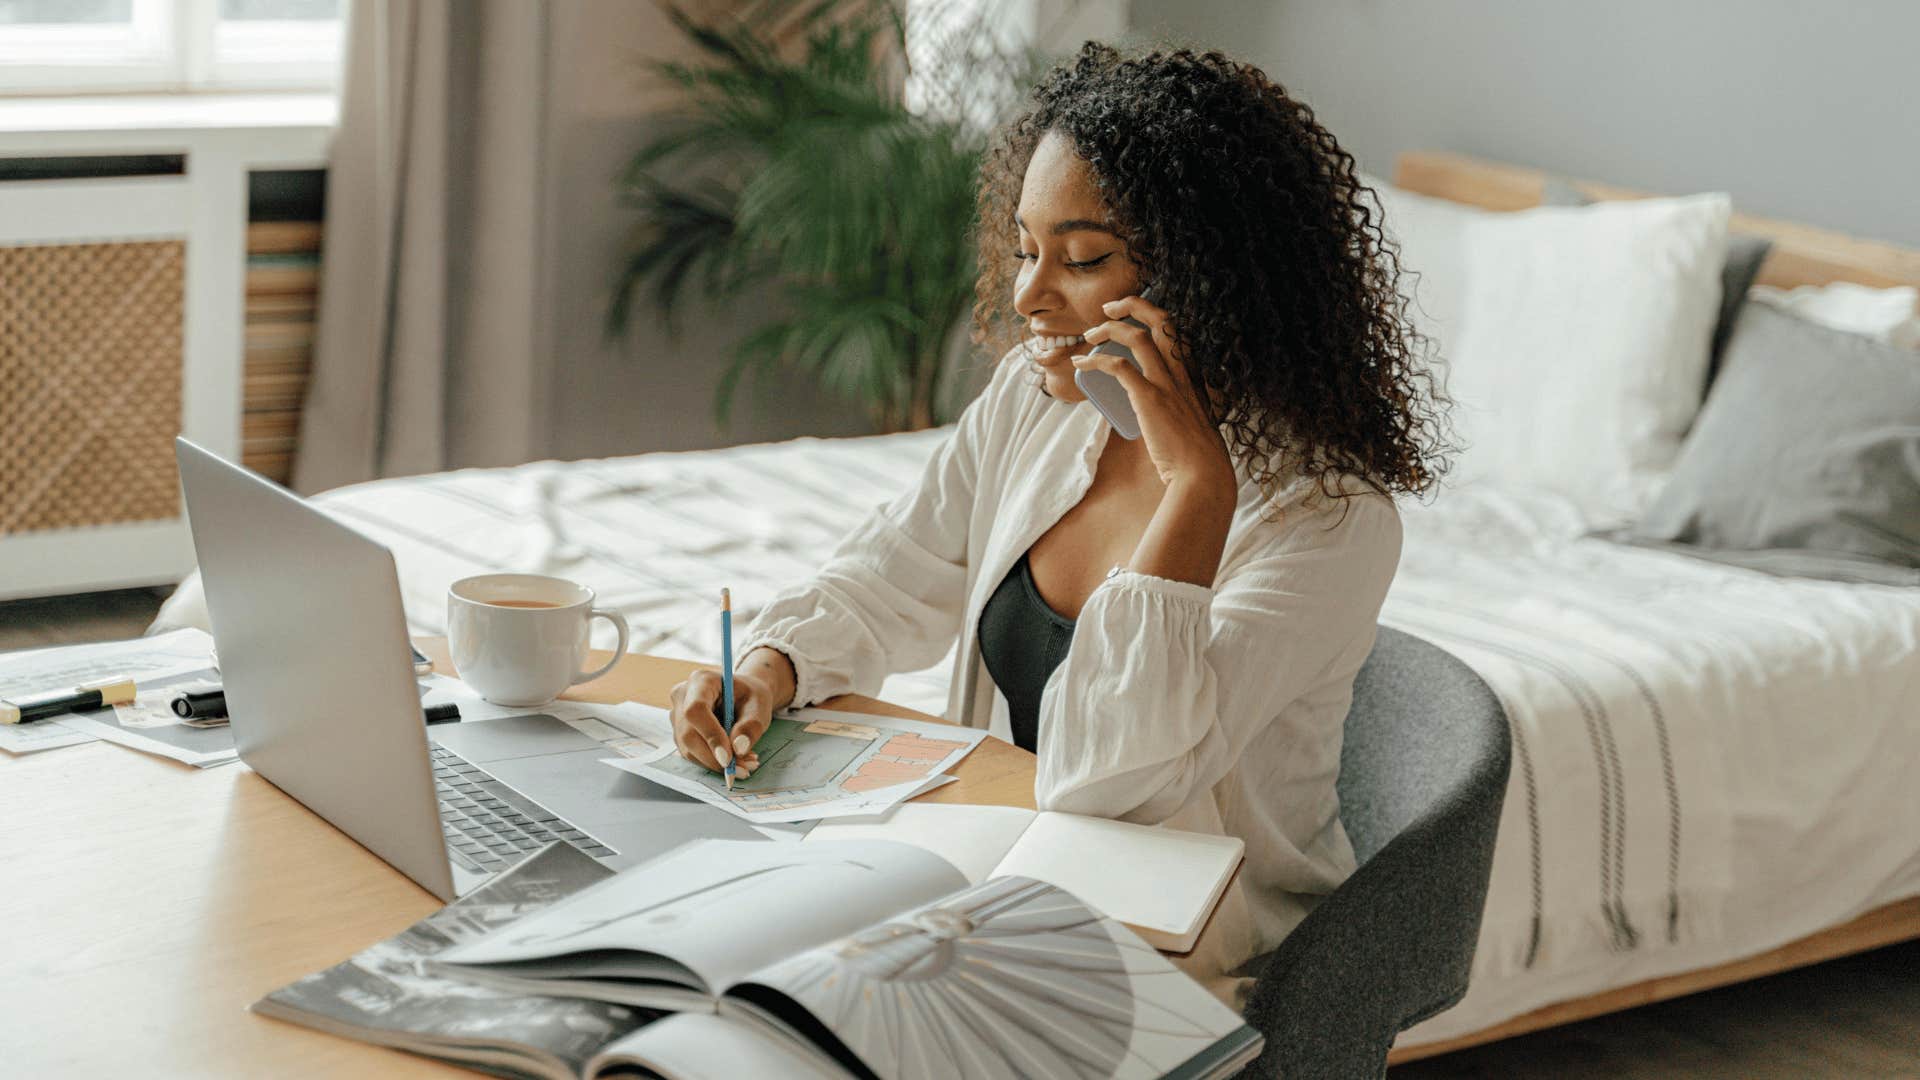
(173, 47)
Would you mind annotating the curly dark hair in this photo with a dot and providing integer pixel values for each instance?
(1248, 217)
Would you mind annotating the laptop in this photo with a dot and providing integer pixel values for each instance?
(321, 694)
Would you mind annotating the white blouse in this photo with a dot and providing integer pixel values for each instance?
(1212, 709)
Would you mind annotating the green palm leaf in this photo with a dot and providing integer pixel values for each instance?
(800, 168)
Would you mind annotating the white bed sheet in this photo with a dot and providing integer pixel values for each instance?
(1778, 717)
(1752, 733)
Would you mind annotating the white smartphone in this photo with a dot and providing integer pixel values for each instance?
(1105, 391)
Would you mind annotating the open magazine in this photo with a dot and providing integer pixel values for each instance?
(1162, 883)
(384, 995)
(868, 957)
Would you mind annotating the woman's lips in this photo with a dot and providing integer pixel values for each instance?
(1052, 347)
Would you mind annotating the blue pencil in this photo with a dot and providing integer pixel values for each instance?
(726, 678)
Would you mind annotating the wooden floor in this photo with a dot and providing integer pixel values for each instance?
(1856, 1017)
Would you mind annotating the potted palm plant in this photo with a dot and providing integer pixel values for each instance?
(810, 153)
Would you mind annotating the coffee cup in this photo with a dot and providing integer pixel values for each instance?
(521, 639)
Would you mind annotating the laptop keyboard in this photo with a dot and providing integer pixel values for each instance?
(488, 825)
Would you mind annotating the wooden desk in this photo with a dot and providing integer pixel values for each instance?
(146, 904)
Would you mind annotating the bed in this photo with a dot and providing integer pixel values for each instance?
(1710, 773)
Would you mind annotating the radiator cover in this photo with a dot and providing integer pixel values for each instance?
(90, 383)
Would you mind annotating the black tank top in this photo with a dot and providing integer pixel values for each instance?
(1022, 640)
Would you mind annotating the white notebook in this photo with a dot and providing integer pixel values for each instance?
(1162, 883)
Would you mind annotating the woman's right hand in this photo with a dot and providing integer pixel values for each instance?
(759, 689)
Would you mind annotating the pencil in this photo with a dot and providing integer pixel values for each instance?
(726, 677)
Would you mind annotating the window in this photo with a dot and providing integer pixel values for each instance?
(77, 46)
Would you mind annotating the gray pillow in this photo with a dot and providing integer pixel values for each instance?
(1744, 255)
(1805, 459)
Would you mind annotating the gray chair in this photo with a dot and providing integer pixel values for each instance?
(1423, 773)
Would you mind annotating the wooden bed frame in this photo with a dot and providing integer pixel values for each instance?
(1801, 255)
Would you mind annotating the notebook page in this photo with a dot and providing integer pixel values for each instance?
(1159, 881)
(973, 838)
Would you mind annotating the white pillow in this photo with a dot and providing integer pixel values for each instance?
(1432, 234)
(1889, 316)
(1574, 339)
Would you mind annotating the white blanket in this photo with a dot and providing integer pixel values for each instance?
(655, 535)
(1709, 761)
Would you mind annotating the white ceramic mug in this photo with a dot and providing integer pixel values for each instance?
(521, 639)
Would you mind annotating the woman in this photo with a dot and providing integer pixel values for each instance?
(1171, 624)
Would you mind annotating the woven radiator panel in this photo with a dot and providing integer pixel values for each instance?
(90, 359)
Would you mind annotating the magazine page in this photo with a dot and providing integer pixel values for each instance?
(973, 838)
(384, 994)
(702, 1046)
(1163, 883)
(720, 908)
(1013, 977)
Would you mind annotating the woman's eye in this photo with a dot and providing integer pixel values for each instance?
(1088, 264)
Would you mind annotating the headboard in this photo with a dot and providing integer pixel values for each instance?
(1801, 255)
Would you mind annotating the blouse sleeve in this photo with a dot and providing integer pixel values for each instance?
(1166, 683)
(892, 596)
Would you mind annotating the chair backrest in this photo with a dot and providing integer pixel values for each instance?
(1423, 726)
(1423, 775)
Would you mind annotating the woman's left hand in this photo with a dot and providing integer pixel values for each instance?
(1183, 444)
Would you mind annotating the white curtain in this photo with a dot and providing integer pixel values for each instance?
(433, 285)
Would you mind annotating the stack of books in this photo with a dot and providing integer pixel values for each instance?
(283, 290)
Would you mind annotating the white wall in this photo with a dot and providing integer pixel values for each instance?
(1804, 111)
(648, 393)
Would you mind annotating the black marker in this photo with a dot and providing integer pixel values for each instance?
(200, 704)
(443, 714)
(91, 696)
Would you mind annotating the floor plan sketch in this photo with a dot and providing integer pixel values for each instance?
(820, 763)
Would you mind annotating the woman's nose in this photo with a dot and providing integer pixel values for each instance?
(1033, 292)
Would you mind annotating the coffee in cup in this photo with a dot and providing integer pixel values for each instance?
(521, 639)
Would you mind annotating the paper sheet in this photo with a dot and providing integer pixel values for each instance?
(142, 659)
(820, 763)
(627, 728)
(149, 725)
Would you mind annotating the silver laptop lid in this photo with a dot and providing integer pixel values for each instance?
(314, 660)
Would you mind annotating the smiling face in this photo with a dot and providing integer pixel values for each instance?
(1070, 263)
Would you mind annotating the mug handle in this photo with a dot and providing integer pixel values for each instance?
(619, 623)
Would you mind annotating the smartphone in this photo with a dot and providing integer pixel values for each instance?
(1105, 391)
